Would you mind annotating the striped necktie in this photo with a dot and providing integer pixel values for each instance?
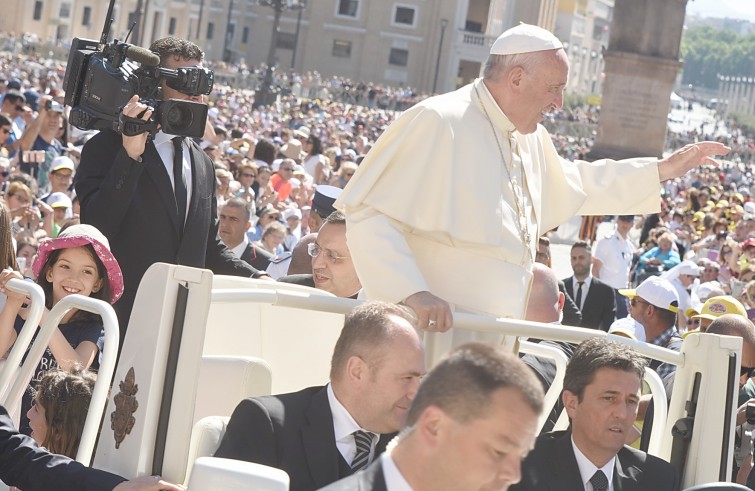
(363, 440)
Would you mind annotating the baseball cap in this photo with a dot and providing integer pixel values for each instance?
(715, 307)
(62, 162)
(59, 200)
(656, 291)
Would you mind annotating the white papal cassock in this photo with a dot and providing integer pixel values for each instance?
(431, 207)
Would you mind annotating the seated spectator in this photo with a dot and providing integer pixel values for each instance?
(470, 437)
(272, 238)
(322, 434)
(267, 215)
(659, 258)
(601, 396)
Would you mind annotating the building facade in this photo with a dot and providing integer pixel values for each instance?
(428, 45)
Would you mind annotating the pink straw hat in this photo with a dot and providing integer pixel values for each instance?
(81, 235)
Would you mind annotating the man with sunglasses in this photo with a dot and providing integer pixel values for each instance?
(655, 304)
(154, 200)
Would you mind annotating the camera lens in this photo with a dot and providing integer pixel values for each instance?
(180, 117)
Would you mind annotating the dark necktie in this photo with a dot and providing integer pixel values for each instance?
(599, 481)
(178, 179)
(363, 439)
(578, 298)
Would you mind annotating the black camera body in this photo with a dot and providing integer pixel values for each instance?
(101, 78)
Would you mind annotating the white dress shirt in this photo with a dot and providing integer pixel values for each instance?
(239, 249)
(164, 145)
(344, 426)
(394, 480)
(587, 469)
(585, 288)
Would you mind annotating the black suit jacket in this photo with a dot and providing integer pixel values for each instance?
(552, 466)
(25, 465)
(133, 204)
(293, 432)
(369, 479)
(258, 257)
(599, 307)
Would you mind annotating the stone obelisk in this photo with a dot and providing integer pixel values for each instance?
(641, 65)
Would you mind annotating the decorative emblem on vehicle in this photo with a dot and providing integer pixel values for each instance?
(122, 419)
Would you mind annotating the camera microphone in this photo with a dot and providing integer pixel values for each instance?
(143, 56)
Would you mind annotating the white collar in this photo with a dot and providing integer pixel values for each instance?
(239, 249)
(162, 137)
(394, 480)
(344, 425)
(587, 469)
(586, 282)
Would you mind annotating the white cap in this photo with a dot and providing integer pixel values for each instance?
(656, 291)
(291, 212)
(524, 38)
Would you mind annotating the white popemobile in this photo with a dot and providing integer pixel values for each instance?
(198, 343)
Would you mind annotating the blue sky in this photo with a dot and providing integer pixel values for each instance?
(738, 9)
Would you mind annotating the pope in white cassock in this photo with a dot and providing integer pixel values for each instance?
(445, 211)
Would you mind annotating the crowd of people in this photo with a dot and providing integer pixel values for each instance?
(275, 192)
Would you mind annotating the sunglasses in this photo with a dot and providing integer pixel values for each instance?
(287, 169)
(637, 300)
(349, 174)
(749, 371)
(246, 174)
(5, 131)
(19, 108)
(4, 173)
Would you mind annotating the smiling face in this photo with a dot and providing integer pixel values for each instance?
(74, 272)
(333, 269)
(603, 417)
(538, 90)
(390, 381)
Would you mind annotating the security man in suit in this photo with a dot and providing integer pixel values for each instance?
(601, 396)
(235, 219)
(594, 298)
(321, 434)
(473, 419)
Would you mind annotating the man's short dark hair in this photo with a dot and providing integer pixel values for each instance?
(242, 204)
(13, 96)
(461, 384)
(583, 244)
(596, 353)
(5, 120)
(177, 47)
(626, 218)
(366, 328)
(336, 218)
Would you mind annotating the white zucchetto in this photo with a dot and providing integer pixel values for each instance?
(524, 38)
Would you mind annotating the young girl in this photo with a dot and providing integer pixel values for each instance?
(79, 261)
(59, 410)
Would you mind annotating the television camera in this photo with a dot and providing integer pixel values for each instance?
(101, 78)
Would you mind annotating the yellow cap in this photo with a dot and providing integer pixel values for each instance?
(715, 307)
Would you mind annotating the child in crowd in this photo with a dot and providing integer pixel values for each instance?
(79, 261)
(59, 410)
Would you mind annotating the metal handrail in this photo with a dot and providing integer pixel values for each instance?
(104, 375)
(10, 368)
(514, 327)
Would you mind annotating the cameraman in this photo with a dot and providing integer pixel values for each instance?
(126, 187)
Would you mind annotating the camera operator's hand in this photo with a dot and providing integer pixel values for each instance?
(742, 412)
(134, 145)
